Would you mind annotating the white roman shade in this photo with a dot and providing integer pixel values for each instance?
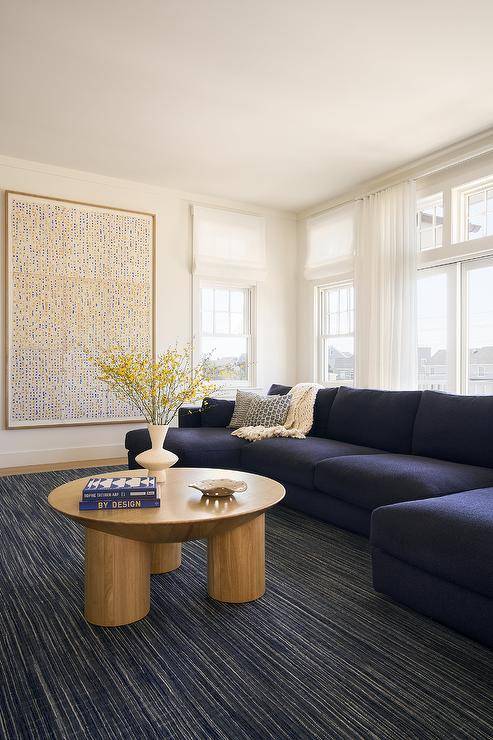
(330, 242)
(229, 244)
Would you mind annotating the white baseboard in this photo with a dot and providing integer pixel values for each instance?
(60, 455)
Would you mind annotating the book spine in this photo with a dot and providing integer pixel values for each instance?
(117, 495)
(107, 486)
(133, 503)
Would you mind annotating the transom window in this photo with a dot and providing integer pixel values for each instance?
(473, 211)
(336, 334)
(479, 213)
(429, 222)
(225, 331)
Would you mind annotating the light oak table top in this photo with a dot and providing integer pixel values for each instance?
(184, 513)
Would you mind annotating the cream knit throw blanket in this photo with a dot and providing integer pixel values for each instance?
(298, 421)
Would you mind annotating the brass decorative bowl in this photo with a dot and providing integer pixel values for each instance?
(219, 487)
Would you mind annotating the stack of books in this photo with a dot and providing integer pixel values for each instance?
(106, 494)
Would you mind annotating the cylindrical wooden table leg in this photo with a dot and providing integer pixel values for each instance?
(165, 557)
(117, 579)
(236, 562)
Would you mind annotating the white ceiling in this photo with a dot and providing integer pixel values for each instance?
(283, 103)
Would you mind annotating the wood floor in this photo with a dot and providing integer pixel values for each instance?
(73, 465)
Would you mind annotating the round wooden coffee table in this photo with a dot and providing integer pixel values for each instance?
(123, 547)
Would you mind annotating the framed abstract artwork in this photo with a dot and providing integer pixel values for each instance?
(79, 280)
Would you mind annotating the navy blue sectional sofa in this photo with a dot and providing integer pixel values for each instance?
(413, 470)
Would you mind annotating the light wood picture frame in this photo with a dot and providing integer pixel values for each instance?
(79, 278)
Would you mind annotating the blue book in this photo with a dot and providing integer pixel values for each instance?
(129, 503)
(122, 484)
(117, 495)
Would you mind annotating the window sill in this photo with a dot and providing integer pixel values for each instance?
(230, 391)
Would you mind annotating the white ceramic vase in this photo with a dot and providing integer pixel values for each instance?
(156, 460)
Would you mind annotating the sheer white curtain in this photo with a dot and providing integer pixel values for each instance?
(385, 288)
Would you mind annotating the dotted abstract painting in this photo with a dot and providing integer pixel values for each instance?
(79, 280)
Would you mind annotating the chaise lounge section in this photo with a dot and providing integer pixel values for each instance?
(413, 470)
(436, 555)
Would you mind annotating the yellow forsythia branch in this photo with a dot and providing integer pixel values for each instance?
(156, 387)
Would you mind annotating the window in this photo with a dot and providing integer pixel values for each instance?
(226, 331)
(478, 213)
(229, 259)
(478, 326)
(473, 209)
(429, 221)
(455, 279)
(335, 346)
(433, 328)
(455, 327)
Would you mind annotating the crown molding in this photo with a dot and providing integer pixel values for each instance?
(153, 191)
(454, 154)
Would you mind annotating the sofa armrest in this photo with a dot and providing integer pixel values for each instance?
(190, 416)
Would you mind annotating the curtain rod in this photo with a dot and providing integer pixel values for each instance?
(420, 176)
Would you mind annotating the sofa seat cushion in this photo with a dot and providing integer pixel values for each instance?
(377, 480)
(209, 447)
(294, 460)
(450, 537)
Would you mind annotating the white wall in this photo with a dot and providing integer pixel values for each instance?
(277, 350)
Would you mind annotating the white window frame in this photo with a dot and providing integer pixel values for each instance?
(457, 252)
(251, 325)
(452, 271)
(454, 189)
(460, 202)
(466, 267)
(458, 319)
(429, 201)
(319, 360)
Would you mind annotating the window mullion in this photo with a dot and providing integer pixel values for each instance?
(457, 332)
(229, 311)
(485, 221)
(322, 298)
(213, 312)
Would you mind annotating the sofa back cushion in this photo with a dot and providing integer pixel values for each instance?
(323, 404)
(380, 419)
(278, 390)
(457, 428)
(216, 412)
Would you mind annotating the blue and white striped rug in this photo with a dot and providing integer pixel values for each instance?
(320, 656)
